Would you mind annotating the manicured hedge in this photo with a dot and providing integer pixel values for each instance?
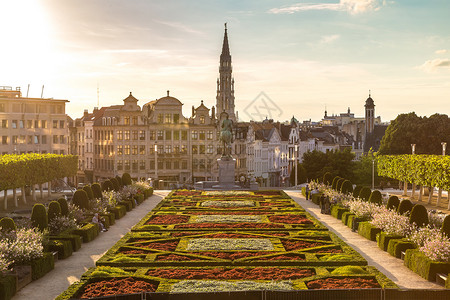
(63, 247)
(383, 239)
(397, 246)
(88, 232)
(119, 211)
(7, 286)
(337, 211)
(41, 266)
(425, 267)
(368, 231)
(74, 239)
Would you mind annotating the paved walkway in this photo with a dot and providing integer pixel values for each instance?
(69, 270)
(390, 266)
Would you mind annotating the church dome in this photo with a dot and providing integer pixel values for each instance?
(369, 102)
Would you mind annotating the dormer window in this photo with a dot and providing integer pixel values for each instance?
(202, 119)
(126, 120)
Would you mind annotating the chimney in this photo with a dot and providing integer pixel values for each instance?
(95, 109)
(85, 113)
(213, 112)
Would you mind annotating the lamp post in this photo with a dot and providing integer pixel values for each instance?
(413, 151)
(444, 146)
(156, 165)
(373, 173)
(295, 162)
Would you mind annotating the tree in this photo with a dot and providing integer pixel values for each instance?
(301, 175)
(363, 170)
(336, 162)
(426, 132)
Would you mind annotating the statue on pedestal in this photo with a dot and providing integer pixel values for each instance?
(226, 136)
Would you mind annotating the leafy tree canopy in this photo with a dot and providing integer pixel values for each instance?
(337, 162)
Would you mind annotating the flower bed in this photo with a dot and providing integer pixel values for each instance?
(343, 283)
(168, 219)
(116, 286)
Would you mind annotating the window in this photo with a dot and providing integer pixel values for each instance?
(29, 139)
(119, 165)
(119, 135)
(127, 150)
(142, 165)
(168, 165)
(168, 118)
(15, 139)
(36, 139)
(142, 149)
(176, 135)
(202, 164)
(210, 149)
(202, 149)
(55, 139)
(176, 164)
(160, 135)
(4, 123)
(134, 165)
(126, 120)
(176, 118)
(168, 135)
(120, 150)
(61, 125)
(184, 164)
(194, 149)
(183, 149)
(160, 118)
(152, 165)
(62, 139)
(151, 135)
(43, 123)
(126, 135)
(126, 164)
(21, 123)
(202, 135)
(160, 165)
(176, 149)
(135, 120)
(55, 124)
(2, 107)
(160, 149)
(134, 150)
(142, 135)
(194, 134)
(22, 139)
(29, 124)
(184, 135)
(14, 124)
(168, 149)
(5, 140)
(202, 119)
(135, 135)
(36, 123)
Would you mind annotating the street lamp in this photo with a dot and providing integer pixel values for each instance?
(373, 173)
(156, 164)
(444, 146)
(413, 151)
(295, 162)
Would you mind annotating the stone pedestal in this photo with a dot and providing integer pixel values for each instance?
(226, 174)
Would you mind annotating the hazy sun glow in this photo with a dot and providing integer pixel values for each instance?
(26, 33)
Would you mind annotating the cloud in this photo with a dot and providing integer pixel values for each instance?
(441, 51)
(435, 64)
(328, 39)
(350, 6)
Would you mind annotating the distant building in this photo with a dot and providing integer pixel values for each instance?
(28, 125)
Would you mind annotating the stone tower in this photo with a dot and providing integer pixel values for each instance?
(370, 115)
(225, 82)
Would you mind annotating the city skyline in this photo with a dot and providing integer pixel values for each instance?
(304, 55)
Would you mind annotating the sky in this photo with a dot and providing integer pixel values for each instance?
(304, 56)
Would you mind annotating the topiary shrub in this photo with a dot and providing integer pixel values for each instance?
(97, 190)
(64, 206)
(446, 226)
(357, 190)
(7, 224)
(89, 191)
(126, 179)
(365, 193)
(80, 199)
(39, 217)
(419, 215)
(339, 184)
(375, 197)
(347, 187)
(54, 210)
(107, 186)
(334, 182)
(115, 184)
(327, 178)
(349, 270)
(405, 206)
(393, 202)
(119, 180)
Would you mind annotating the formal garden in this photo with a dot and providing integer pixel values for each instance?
(30, 246)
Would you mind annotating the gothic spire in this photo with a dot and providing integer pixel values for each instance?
(225, 48)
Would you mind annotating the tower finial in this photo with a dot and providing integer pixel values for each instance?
(369, 93)
(225, 25)
(168, 93)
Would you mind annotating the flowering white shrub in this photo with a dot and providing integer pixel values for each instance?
(76, 213)
(26, 247)
(362, 209)
(5, 262)
(424, 234)
(437, 249)
(61, 223)
(129, 191)
(112, 197)
(141, 185)
(391, 222)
